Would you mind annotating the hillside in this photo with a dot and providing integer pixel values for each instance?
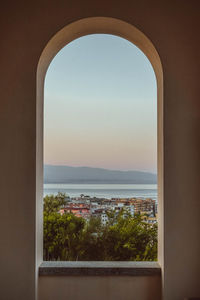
(87, 175)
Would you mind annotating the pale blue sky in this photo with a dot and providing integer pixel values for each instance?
(100, 106)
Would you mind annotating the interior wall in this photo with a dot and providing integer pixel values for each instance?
(173, 27)
(98, 288)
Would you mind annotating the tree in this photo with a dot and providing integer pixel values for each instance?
(54, 203)
(62, 235)
(91, 243)
(130, 239)
(67, 237)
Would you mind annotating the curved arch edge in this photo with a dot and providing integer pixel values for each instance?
(86, 26)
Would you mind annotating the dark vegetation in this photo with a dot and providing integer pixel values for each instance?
(67, 237)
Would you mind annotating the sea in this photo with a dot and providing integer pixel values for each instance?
(107, 191)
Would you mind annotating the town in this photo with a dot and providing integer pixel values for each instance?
(86, 206)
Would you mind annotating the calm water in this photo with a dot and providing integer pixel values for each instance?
(104, 190)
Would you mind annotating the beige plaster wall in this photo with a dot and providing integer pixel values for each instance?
(98, 288)
(26, 27)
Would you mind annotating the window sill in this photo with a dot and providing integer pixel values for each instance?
(99, 268)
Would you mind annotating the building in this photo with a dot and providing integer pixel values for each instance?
(104, 218)
(143, 205)
(78, 209)
(130, 209)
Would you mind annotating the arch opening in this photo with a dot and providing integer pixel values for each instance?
(61, 39)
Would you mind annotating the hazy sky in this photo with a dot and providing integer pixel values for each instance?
(100, 106)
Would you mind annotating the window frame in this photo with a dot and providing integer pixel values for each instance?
(86, 26)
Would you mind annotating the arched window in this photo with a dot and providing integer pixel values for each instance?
(131, 34)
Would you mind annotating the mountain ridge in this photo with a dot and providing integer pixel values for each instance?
(89, 175)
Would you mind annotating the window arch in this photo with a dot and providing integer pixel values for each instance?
(62, 38)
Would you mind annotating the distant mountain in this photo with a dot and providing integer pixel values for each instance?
(65, 174)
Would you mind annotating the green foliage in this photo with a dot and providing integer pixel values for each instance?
(54, 203)
(62, 234)
(124, 238)
(130, 239)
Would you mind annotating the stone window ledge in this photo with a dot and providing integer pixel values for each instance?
(99, 268)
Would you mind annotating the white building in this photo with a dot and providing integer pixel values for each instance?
(104, 218)
(131, 210)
